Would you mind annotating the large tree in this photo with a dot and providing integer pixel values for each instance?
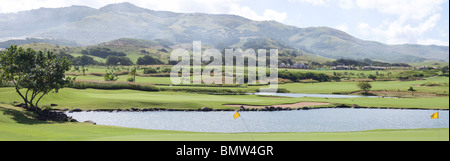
(365, 86)
(148, 60)
(118, 60)
(34, 74)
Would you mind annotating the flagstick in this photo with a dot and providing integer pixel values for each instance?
(247, 128)
(437, 127)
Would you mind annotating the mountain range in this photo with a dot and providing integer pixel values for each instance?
(84, 26)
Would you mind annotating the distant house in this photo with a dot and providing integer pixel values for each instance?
(300, 66)
(425, 68)
(296, 66)
(343, 67)
(373, 68)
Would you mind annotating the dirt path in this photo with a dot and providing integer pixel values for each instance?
(300, 104)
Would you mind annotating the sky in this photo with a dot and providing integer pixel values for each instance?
(423, 22)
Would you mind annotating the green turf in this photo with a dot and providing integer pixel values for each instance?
(125, 99)
(330, 87)
(324, 87)
(113, 99)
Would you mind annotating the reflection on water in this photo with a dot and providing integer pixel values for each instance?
(319, 120)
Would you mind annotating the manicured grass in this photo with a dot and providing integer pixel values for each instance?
(323, 87)
(123, 78)
(330, 87)
(416, 103)
(331, 72)
(16, 126)
(125, 99)
(113, 99)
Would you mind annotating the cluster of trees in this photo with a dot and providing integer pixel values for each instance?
(148, 60)
(112, 58)
(157, 70)
(445, 70)
(297, 76)
(118, 60)
(102, 52)
(365, 62)
(80, 60)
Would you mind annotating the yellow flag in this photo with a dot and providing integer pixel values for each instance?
(236, 115)
(435, 115)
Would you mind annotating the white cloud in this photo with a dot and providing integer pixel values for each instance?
(342, 27)
(312, 2)
(270, 14)
(406, 9)
(364, 28)
(247, 12)
(415, 18)
(346, 4)
(397, 32)
(243, 11)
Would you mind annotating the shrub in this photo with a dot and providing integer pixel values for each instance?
(113, 85)
(166, 70)
(336, 78)
(130, 79)
(110, 77)
(282, 90)
(150, 70)
(365, 86)
(373, 77)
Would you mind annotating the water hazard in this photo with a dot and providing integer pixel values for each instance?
(318, 120)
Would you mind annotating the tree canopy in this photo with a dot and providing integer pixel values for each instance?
(365, 86)
(365, 62)
(38, 72)
(118, 60)
(102, 52)
(148, 60)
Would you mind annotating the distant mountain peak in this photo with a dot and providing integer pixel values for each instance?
(89, 26)
(122, 7)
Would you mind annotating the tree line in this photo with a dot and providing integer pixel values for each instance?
(112, 58)
(297, 76)
(365, 62)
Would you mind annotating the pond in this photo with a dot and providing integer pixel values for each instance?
(313, 95)
(317, 120)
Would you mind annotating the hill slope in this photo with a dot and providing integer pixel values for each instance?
(89, 26)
